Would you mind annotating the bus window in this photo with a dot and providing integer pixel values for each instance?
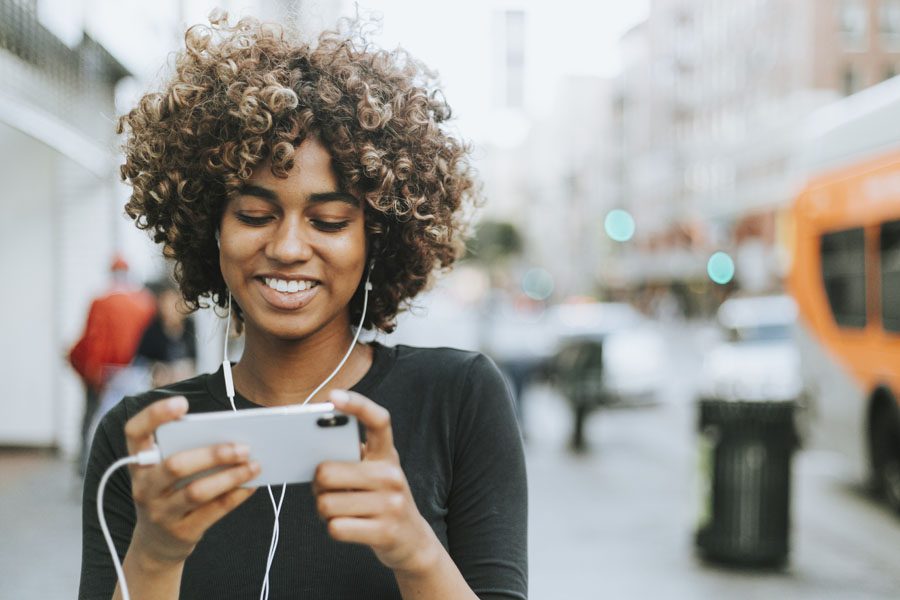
(890, 275)
(844, 274)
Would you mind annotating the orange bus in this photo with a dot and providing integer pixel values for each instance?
(845, 277)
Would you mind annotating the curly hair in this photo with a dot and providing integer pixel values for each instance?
(251, 92)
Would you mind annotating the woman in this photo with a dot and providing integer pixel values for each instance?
(280, 177)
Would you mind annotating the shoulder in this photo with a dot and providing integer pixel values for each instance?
(444, 363)
(446, 375)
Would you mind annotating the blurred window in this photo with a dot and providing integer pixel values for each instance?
(890, 275)
(889, 23)
(844, 274)
(853, 22)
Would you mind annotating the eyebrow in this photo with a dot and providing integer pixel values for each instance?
(335, 196)
(268, 195)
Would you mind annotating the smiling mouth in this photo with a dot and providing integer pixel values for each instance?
(289, 286)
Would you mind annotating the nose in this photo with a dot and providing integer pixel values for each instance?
(288, 243)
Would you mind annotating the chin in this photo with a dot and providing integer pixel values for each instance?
(289, 328)
(286, 332)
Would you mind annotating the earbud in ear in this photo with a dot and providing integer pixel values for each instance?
(218, 241)
(369, 275)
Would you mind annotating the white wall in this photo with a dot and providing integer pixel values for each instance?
(86, 216)
(27, 353)
(56, 238)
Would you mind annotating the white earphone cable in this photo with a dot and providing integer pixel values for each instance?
(229, 391)
(152, 456)
(147, 457)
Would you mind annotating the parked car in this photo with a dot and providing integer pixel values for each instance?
(758, 358)
(606, 354)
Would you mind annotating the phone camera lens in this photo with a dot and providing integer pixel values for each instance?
(332, 421)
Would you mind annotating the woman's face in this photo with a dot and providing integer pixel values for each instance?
(293, 251)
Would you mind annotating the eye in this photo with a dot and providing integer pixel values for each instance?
(256, 221)
(329, 225)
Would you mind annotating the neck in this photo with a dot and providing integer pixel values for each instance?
(275, 372)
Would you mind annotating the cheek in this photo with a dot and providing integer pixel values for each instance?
(347, 252)
(234, 249)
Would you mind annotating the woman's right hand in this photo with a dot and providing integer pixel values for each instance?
(170, 520)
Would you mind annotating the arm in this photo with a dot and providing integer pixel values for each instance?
(487, 504)
(159, 524)
(380, 512)
(86, 356)
(487, 518)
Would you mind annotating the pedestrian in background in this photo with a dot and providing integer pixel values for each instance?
(168, 345)
(115, 323)
(166, 353)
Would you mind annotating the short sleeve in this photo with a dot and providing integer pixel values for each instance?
(487, 519)
(98, 576)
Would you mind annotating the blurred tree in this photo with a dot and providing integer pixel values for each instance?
(491, 248)
(493, 243)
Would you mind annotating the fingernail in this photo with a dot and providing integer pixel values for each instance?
(254, 467)
(177, 403)
(340, 397)
(241, 450)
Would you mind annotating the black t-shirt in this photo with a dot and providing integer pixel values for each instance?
(456, 433)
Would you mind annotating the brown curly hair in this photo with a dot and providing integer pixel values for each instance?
(249, 92)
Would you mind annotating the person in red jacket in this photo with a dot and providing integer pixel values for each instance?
(115, 323)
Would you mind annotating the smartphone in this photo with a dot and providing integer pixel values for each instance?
(287, 442)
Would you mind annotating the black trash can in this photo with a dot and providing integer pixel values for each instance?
(746, 449)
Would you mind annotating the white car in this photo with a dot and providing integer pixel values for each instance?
(759, 359)
(633, 348)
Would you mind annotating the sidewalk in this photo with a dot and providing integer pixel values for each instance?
(40, 508)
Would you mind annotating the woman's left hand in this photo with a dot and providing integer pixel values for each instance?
(370, 502)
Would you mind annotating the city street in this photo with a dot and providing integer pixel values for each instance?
(618, 522)
(615, 522)
(625, 204)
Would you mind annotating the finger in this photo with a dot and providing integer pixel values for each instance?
(140, 428)
(375, 418)
(203, 517)
(357, 530)
(190, 462)
(205, 489)
(370, 475)
(355, 504)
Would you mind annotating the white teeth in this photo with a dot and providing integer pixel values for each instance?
(289, 286)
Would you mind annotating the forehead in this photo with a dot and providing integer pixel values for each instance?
(312, 169)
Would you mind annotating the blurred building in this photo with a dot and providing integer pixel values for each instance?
(570, 162)
(67, 68)
(713, 98)
(550, 172)
(56, 135)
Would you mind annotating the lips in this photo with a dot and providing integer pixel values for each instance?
(285, 300)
